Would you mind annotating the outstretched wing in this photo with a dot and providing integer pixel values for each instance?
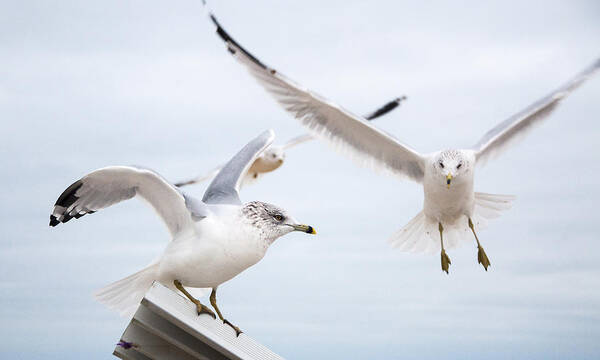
(224, 189)
(371, 116)
(291, 143)
(497, 139)
(348, 133)
(297, 141)
(110, 185)
(199, 179)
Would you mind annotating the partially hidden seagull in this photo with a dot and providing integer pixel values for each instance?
(213, 240)
(274, 156)
(451, 208)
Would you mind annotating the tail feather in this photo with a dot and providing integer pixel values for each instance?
(409, 233)
(417, 245)
(415, 236)
(421, 233)
(488, 207)
(125, 295)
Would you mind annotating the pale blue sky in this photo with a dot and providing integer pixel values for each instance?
(85, 85)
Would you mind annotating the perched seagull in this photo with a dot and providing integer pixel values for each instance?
(213, 240)
(451, 207)
(272, 158)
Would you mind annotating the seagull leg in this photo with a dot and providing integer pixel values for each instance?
(213, 302)
(201, 309)
(481, 256)
(445, 259)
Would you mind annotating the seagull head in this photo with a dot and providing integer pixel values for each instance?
(272, 221)
(274, 155)
(451, 166)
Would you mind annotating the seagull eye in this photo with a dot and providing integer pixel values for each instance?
(441, 164)
(278, 217)
(274, 156)
(458, 166)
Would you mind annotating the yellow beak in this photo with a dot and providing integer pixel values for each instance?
(448, 180)
(305, 228)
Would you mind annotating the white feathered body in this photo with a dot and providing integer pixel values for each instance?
(452, 207)
(217, 250)
(270, 160)
(263, 165)
(448, 204)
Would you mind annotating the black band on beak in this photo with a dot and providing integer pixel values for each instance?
(448, 181)
(310, 230)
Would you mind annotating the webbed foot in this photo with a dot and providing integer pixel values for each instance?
(482, 258)
(445, 261)
(237, 329)
(202, 309)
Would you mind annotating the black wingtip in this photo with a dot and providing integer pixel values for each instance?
(65, 202)
(228, 39)
(66, 218)
(53, 221)
(222, 33)
(68, 197)
(386, 108)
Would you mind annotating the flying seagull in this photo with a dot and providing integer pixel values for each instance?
(213, 240)
(451, 208)
(273, 157)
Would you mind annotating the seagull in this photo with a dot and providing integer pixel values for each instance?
(451, 208)
(213, 239)
(273, 156)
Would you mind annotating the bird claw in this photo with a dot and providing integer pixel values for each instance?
(237, 329)
(201, 309)
(445, 261)
(482, 258)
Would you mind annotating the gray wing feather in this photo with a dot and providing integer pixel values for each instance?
(224, 189)
(385, 109)
(197, 208)
(110, 185)
(497, 139)
(348, 133)
(199, 178)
